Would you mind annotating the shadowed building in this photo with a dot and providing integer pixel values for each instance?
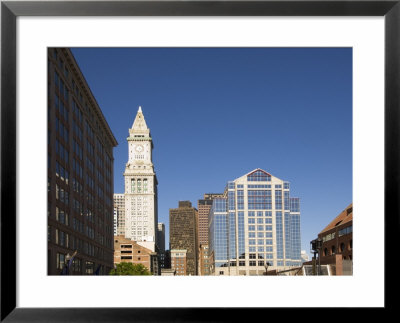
(183, 233)
(161, 243)
(80, 172)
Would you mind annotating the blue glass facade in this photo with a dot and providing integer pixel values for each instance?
(218, 231)
(279, 235)
(241, 237)
(232, 235)
(254, 223)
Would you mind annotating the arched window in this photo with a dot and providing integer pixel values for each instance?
(333, 249)
(342, 247)
(325, 252)
(351, 244)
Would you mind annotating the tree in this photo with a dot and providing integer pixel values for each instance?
(127, 268)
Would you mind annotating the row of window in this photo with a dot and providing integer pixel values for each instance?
(259, 220)
(260, 228)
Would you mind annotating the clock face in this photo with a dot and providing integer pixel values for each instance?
(139, 148)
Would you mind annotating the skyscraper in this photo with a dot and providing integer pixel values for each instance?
(203, 207)
(80, 172)
(255, 223)
(141, 216)
(183, 234)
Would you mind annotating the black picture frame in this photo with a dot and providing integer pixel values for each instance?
(10, 10)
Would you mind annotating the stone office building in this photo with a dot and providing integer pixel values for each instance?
(80, 172)
(183, 234)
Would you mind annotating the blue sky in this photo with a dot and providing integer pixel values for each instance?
(217, 113)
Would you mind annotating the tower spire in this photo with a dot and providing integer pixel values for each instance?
(139, 124)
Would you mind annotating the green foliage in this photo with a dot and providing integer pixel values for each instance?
(126, 268)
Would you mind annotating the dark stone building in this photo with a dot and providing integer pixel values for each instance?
(80, 172)
(183, 233)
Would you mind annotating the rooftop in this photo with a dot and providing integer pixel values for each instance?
(345, 216)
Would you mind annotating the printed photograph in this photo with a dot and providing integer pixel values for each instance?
(220, 161)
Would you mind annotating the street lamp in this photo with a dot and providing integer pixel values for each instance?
(67, 259)
(316, 246)
(267, 264)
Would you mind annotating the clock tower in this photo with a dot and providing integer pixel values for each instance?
(141, 218)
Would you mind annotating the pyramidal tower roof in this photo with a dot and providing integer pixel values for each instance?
(139, 125)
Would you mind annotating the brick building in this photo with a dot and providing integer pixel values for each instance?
(126, 250)
(337, 243)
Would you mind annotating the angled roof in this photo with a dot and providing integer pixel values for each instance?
(258, 169)
(345, 216)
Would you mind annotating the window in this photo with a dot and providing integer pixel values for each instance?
(60, 260)
(259, 176)
(89, 267)
(259, 200)
(252, 263)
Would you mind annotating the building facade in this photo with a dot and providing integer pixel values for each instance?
(119, 214)
(141, 214)
(183, 233)
(337, 243)
(204, 260)
(126, 250)
(256, 224)
(80, 172)
(179, 262)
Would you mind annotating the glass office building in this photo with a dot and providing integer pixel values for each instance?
(255, 224)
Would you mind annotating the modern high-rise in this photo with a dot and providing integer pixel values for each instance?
(119, 214)
(183, 234)
(254, 225)
(141, 216)
(80, 172)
